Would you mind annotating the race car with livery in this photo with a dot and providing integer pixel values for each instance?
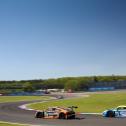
(119, 111)
(57, 113)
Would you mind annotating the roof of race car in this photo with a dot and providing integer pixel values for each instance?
(121, 106)
(57, 107)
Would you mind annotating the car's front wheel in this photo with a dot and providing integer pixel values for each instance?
(110, 113)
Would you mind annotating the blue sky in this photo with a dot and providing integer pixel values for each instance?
(42, 39)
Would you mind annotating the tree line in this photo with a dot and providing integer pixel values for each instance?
(67, 83)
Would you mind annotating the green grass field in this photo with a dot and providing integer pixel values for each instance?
(4, 124)
(9, 124)
(21, 98)
(93, 103)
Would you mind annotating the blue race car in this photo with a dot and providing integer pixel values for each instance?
(119, 111)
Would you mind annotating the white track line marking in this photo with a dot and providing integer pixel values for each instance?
(23, 124)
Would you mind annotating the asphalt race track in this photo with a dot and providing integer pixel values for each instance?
(10, 112)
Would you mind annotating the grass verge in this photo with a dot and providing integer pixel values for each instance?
(93, 103)
(22, 98)
(11, 124)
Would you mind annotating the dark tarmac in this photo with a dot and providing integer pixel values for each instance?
(10, 112)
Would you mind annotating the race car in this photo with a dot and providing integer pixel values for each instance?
(57, 113)
(119, 111)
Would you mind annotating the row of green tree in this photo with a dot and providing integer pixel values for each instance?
(67, 83)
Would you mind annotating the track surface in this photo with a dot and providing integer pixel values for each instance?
(12, 113)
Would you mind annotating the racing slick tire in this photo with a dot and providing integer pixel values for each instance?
(62, 116)
(39, 114)
(110, 113)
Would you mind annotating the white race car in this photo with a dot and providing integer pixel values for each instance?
(119, 111)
